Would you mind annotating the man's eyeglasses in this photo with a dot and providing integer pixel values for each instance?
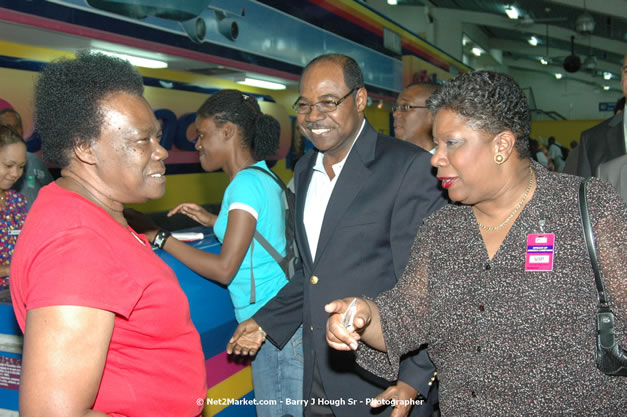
(406, 107)
(324, 106)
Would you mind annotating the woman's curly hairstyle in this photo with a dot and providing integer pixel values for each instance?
(260, 132)
(490, 101)
(69, 97)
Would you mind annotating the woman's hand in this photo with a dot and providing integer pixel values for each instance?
(342, 332)
(195, 212)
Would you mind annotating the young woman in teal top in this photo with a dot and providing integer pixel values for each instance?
(233, 134)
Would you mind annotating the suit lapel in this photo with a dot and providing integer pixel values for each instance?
(354, 173)
(615, 137)
(302, 180)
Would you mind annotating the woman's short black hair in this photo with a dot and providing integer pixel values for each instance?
(490, 101)
(69, 96)
(8, 136)
(260, 132)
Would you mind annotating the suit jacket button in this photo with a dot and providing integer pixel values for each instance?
(313, 279)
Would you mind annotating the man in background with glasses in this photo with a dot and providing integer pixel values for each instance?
(360, 198)
(413, 121)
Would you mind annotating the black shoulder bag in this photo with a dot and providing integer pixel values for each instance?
(611, 359)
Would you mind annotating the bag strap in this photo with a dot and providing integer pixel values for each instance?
(589, 237)
(264, 242)
(272, 175)
(253, 292)
(273, 252)
(260, 238)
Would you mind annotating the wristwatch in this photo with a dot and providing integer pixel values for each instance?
(160, 238)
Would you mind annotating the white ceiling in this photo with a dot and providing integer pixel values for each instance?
(500, 34)
(485, 22)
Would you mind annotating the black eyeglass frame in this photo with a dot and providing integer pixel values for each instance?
(406, 107)
(296, 106)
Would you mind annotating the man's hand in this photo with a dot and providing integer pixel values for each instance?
(246, 340)
(401, 392)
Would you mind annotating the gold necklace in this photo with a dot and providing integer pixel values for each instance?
(513, 213)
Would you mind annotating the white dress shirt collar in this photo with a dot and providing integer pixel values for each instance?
(318, 195)
(337, 168)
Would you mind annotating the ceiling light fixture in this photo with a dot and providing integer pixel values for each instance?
(533, 41)
(606, 87)
(392, 2)
(590, 63)
(544, 61)
(558, 75)
(253, 82)
(607, 75)
(512, 12)
(477, 51)
(135, 60)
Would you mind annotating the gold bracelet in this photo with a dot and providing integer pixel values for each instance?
(263, 334)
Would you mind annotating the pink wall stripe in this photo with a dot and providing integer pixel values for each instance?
(220, 368)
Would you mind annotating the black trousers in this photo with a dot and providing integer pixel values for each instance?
(314, 407)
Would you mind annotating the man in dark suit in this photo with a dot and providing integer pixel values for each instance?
(605, 141)
(413, 121)
(360, 198)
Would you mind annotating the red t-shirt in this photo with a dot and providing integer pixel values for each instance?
(71, 252)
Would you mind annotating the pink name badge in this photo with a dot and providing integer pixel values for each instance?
(540, 252)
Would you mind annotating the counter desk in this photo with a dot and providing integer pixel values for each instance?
(230, 383)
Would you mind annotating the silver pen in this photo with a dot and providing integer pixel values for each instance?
(349, 314)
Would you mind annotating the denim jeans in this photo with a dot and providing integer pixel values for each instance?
(278, 377)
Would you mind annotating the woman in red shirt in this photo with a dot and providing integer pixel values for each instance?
(107, 328)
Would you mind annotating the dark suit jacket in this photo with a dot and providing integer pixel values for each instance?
(615, 172)
(383, 193)
(599, 144)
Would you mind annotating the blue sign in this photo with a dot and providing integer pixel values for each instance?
(607, 106)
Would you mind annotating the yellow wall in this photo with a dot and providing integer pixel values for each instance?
(207, 188)
(565, 131)
(379, 119)
(201, 188)
(16, 86)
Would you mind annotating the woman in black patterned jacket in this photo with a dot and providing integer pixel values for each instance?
(499, 285)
